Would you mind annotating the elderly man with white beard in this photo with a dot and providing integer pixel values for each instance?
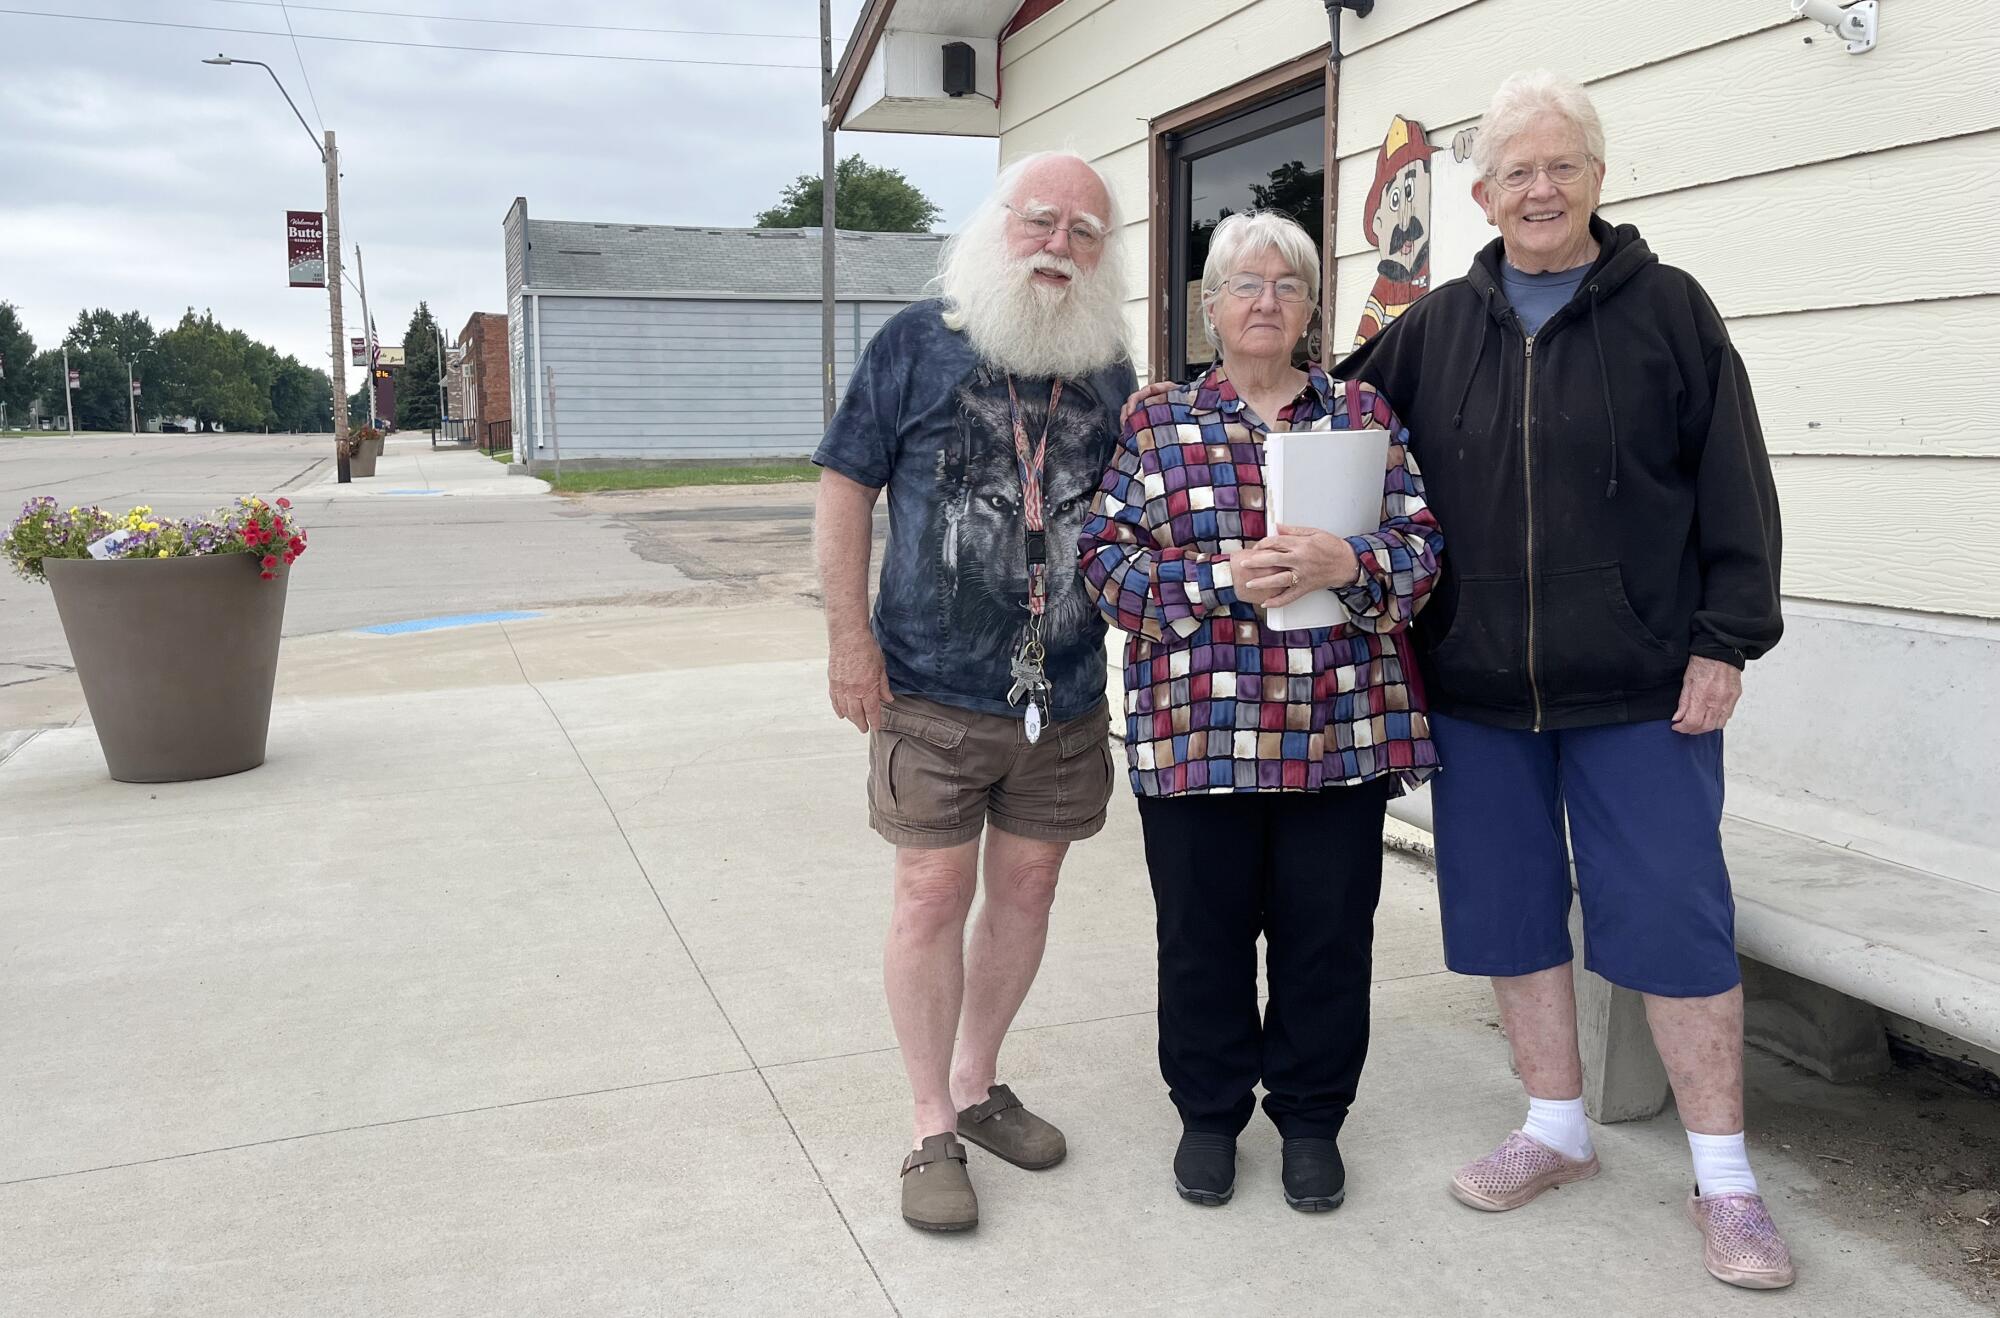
(988, 414)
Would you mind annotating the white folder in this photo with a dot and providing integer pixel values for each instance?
(1327, 479)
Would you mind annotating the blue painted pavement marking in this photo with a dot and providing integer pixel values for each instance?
(436, 492)
(438, 624)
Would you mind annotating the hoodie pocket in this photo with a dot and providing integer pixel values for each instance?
(1589, 642)
(1482, 657)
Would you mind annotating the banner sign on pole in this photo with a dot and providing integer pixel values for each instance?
(387, 356)
(359, 349)
(135, 383)
(75, 378)
(305, 248)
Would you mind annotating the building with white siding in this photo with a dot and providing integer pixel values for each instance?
(636, 343)
(1838, 207)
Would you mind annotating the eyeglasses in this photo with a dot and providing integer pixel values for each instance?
(1518, 175)
(1083, 237)
(1246, 286)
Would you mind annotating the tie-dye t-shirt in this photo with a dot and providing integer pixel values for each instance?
(926, 418)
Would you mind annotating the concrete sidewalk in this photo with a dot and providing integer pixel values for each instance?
(410, 468)
(538, 973)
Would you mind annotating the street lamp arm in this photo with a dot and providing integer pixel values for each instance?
(230, 59)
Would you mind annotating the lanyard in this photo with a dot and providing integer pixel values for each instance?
(1030, 463)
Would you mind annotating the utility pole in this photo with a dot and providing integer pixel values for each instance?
(342, 473)
(367, 334)
(131, 396)
(827, 307)
(69, 397)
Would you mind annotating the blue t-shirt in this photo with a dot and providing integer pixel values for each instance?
(1537, 297)
(925, 417)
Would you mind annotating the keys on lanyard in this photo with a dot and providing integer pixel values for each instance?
(1031, 682)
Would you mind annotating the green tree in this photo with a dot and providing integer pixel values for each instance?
(301, 398)
(417, 381)
(866, 198)
(210, 373)
(17, 362)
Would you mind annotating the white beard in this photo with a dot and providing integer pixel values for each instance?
(1025, 326)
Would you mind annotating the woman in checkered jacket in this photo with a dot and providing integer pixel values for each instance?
(1262, 759)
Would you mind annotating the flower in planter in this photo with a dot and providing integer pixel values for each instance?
(45, 530)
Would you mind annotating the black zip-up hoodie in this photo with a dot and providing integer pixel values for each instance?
(1603, 490)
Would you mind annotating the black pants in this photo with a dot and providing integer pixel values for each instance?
(1304, 869)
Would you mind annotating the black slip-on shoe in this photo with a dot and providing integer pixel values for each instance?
(1205, 1168)
(1315, 1178)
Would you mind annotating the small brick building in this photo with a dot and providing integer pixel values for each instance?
(482, 353)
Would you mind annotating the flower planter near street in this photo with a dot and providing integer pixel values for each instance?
(177, 658)
(173, 625)
(363, 447)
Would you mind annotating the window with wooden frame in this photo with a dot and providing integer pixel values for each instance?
(1260, 145)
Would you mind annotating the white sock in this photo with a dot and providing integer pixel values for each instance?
(1721, 1164)
(1560, 1124)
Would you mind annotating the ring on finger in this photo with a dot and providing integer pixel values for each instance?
(1294, 583)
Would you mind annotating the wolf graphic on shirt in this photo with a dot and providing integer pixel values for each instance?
(981, 539)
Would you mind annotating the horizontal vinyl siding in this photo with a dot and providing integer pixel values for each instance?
(1838, 209)
(652, 378)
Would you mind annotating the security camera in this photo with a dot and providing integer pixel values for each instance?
(1853, 23)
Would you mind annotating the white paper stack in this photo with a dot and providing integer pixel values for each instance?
(1327, 479)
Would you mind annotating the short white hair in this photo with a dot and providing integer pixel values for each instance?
(1250, 234)
(1520, 101)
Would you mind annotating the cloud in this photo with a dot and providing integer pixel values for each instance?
(133, 176)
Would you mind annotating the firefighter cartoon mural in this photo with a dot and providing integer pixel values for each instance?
(1420, 216)
(1397, 221)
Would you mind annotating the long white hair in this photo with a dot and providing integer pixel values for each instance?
(1016, 322)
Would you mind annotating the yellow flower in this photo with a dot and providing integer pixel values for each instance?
(149, 526)
(163, 553)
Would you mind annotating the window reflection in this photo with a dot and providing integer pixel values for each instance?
(1269, 157)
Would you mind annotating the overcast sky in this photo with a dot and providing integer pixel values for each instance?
(132, 176)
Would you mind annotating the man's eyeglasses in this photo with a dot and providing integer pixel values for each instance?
(1083, 237)
(1289, 289)
(1518, 175)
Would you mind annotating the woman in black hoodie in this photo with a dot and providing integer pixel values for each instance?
(1591, 449)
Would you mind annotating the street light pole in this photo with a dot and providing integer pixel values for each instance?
(331, 238)
(343, 474)
(367, 334)
(69, 398)
(827, 304)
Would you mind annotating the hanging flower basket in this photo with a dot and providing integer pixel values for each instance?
(173, 625)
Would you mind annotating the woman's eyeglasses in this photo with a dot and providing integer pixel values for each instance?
(1517, 175)
(1289, 289)
(1083, 237)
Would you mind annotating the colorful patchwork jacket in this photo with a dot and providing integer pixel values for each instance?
(1215, 702)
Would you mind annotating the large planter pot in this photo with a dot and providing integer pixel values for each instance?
(177, 658)
(363, 461)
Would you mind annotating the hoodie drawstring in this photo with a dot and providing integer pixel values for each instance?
(1458, 412)
(1603, 379)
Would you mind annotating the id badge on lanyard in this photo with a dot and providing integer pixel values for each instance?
(1027, 666)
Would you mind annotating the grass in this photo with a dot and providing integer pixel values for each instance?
(666, 478)
(505, 457)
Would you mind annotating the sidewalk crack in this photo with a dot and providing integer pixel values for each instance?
(702, 974)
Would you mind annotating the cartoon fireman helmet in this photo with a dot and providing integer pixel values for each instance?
(1405, 142)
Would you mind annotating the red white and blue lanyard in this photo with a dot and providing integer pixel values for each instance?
(1030, 463)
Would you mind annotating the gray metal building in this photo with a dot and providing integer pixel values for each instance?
(634, 343)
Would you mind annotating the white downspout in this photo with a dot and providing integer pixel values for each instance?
(535, 320)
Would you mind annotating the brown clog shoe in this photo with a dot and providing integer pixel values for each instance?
(937, 1192)
(1005, 1129)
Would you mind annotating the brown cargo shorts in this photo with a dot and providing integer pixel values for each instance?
(937, 774)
